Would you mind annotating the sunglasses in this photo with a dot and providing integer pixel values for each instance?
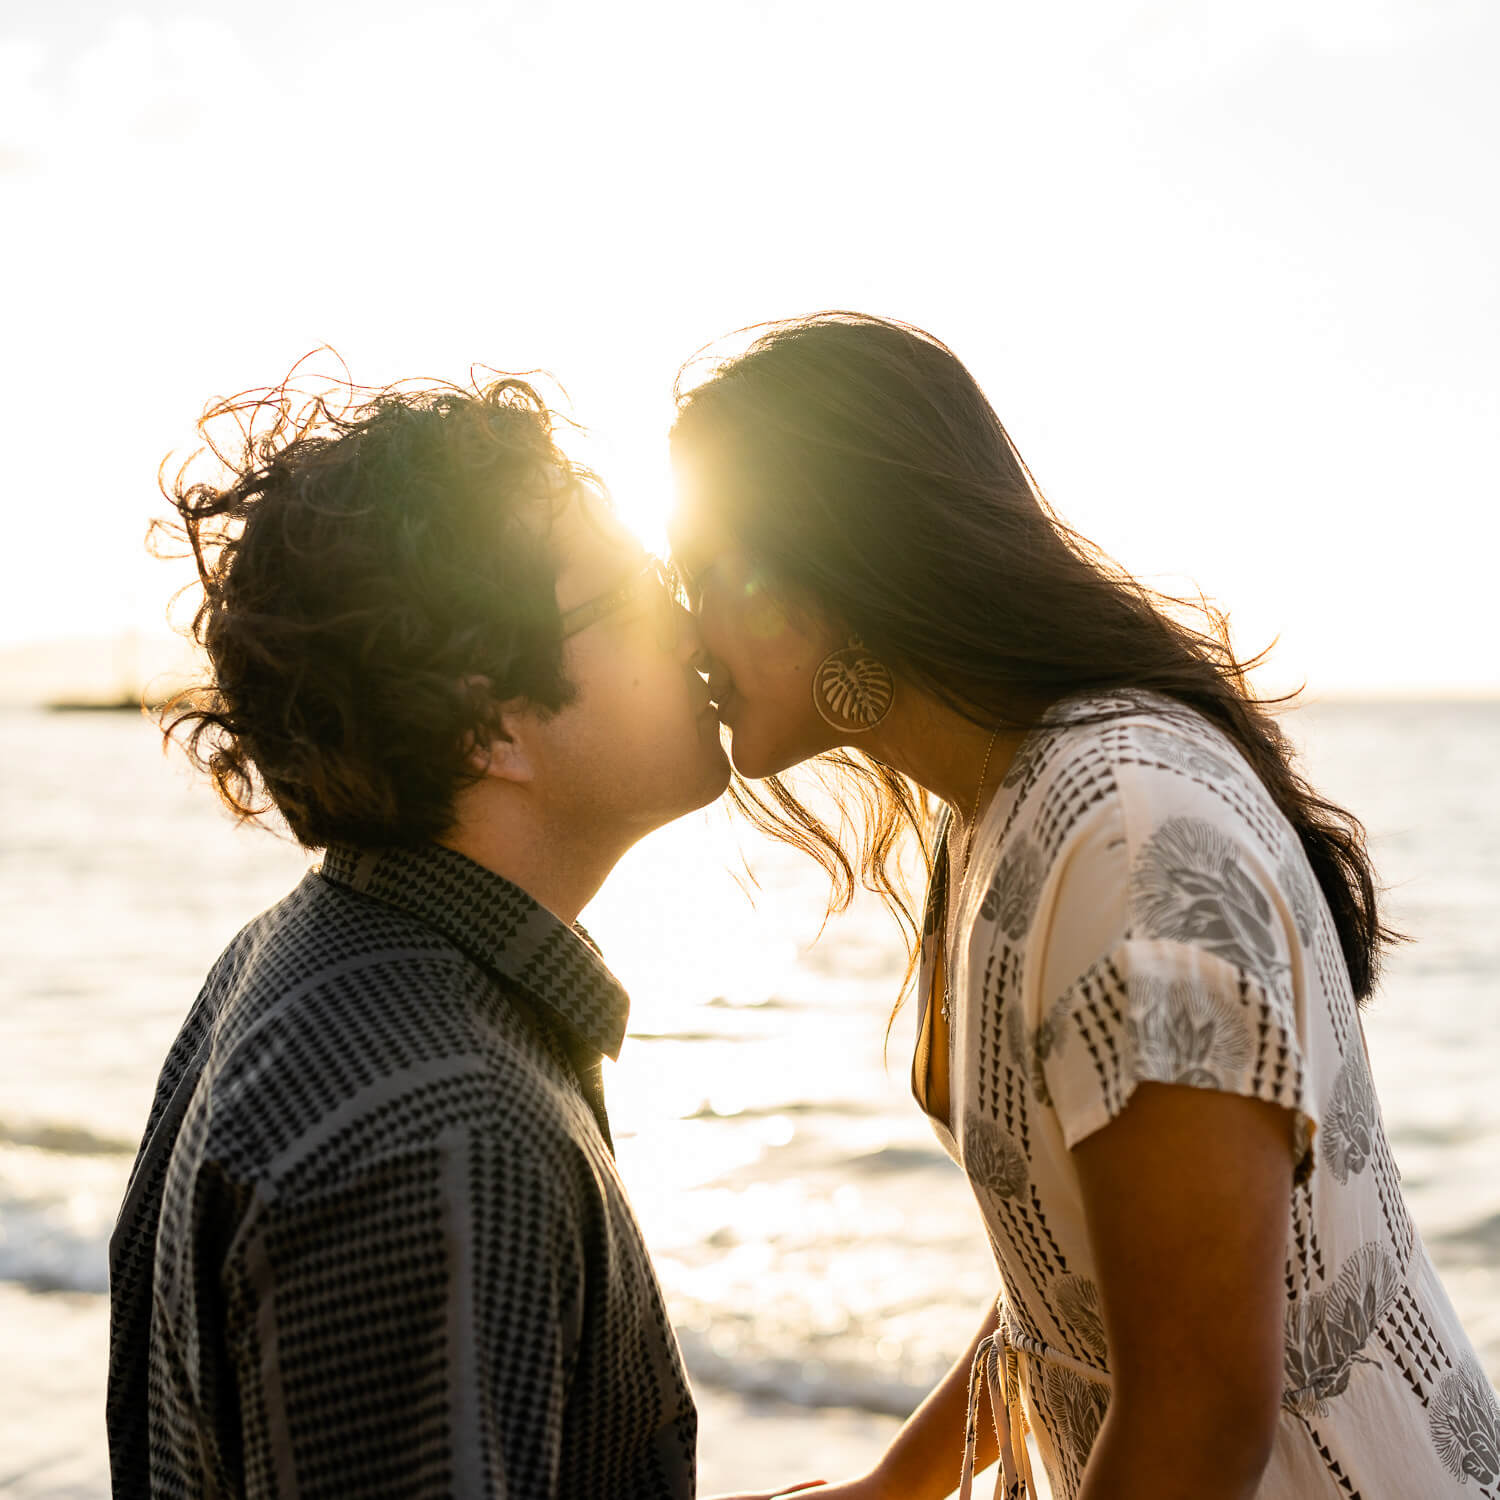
(657, 581)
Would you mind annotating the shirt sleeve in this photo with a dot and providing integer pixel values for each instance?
(410, 1331)
(1170, 952)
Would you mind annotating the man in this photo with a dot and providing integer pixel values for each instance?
(374, 1242)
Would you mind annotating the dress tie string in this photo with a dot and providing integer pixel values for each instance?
(996, 1369)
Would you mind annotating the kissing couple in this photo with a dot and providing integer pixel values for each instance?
(375, 1242)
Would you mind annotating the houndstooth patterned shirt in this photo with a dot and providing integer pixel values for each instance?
(375, 1242)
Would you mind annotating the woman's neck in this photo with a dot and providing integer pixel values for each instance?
(948, 755)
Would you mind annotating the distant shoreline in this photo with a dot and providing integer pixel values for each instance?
(95, 670)
(98, 706)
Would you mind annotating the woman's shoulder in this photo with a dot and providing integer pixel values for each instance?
(1137, 759)
(1128, 718)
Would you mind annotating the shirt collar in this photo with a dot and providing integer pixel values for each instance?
(500, 927)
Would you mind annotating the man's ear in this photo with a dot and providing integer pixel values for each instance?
(507, 755)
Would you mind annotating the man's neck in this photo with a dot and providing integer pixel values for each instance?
(558, 872)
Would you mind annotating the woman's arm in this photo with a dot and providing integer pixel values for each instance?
(1187, 1195)
(924, 1458)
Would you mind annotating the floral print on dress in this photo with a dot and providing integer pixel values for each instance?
(1326, 1332)
(1030, 1049)
(1078, 1299)
(1351, 1120)
(1182, 753)
(1107, 706)
(1464, 1420)
(992, 1158)
(1012, 895)
(1179, 1031)
(1047, 1040)
(1077, 1407)
(1190, 885)
(1301, 887)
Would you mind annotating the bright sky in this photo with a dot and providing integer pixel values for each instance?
(1228, 272)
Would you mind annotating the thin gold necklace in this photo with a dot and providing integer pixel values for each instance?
(984, 772)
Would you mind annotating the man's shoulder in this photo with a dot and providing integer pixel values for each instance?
(348, 1027)
(321, 929)
(327, 956)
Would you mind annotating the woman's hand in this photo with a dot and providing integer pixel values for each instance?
(807, 1484)
(923, 1459)
(866, 1487)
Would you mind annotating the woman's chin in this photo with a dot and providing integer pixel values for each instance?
(757, 761)
(747, 764)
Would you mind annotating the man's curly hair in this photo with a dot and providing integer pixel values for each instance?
(375, 577)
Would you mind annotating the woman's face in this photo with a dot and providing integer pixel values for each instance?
(763, 651)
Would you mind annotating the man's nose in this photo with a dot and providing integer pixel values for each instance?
(690, 639)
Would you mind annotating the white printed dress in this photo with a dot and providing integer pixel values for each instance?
(1137, 908)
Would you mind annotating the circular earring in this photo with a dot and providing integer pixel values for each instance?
(853, 688)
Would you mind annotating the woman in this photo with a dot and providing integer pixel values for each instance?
(1144, 945)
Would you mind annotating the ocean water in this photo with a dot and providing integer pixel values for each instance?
(814, 1243)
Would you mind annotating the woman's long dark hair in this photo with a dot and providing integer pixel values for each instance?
(859, 463)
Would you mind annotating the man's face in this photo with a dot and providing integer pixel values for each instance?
(639, 743)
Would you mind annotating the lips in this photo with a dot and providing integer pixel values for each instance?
(719, 685)
(722, 696)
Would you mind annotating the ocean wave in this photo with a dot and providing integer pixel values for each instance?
(897, 1159)
(65, 1140)
(838, 1109)
(52, 1244)
(1478, 1239)
(751, 1006)
(804, 1381)
(686, 1036)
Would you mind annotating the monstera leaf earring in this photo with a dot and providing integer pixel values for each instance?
(853, 688)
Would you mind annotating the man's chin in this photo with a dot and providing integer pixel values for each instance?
(707, 786)
(716, 782)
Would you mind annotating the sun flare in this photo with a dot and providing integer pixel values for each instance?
(633, 463)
